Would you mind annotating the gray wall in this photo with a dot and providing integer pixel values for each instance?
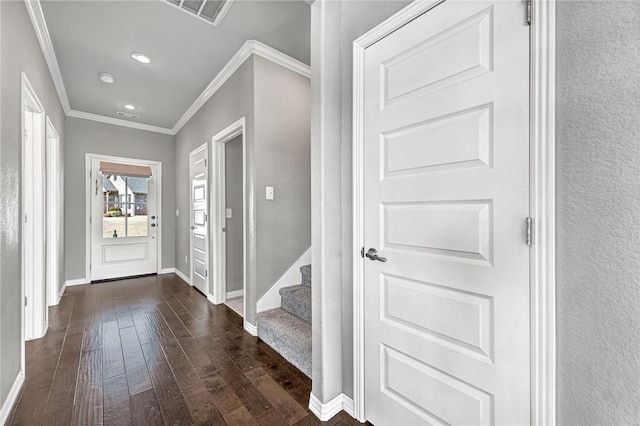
(275, 102)
(357, 18)
(20, 53)
(231, 102)
(84, 136)
(233, 201)
(282, 160)
(598, 211)
(334, 27)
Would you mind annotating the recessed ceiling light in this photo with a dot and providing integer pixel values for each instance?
(107, 78)
(129, 107)
(141, 57)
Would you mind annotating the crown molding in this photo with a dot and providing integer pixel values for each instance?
(118, 122)
(34, 9)
(248, 48)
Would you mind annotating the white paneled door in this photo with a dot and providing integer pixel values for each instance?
(199, 219)
(446, 195)
(124, 221)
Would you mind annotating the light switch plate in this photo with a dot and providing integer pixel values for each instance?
(269, 192)
(228, 213)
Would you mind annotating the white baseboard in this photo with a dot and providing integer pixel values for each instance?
(79, 281)
(167, 271)
(11, 398)
(234, 294)
(250, 328)
(61, 292)
(271, 299)
(183, 276)
(326, 411)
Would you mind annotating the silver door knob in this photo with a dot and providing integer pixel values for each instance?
(373, 255)
(193, 227)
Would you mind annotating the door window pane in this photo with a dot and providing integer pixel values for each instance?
(124, 212)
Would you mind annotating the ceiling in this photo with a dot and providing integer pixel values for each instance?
(90, 37)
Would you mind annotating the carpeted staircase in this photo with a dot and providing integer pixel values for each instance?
(288, 328)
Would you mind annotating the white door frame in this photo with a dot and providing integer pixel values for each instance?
(87, 191)
(36, 323)
(218, 212)
(191, 154)
(542, 190)
(54, 212)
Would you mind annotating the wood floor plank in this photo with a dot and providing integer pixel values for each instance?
(189, 383)
(63, 388)
(224, 397)
(272, 418)
(288, 408)
(117, 405)
(204, 410)
(88, 404)
(174, 408)
(185, 360)
(145, 409)
(135, 366)
(122, 312)
(240, 417)
(58, 418)
(112, 360)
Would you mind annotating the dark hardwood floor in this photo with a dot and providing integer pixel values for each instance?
(153, 351)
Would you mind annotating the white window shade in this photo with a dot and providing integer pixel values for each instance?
(120, 169)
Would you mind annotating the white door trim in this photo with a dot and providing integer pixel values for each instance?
(38, 321)
(88, 181)
(54, 212)
(192, 154)
(218, 212)
(542, 189)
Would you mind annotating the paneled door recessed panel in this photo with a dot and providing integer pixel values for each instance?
(199, 193)
(432, 394)
(454, 318)
(124, 253)
(199, 217)
(457, 229)
(468, 47)
(455, 141)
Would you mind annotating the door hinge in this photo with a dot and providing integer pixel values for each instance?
(529, 231)
(25, 301)
(206, 273)
(25, 218)
(224, 229)
(362, 252)
(529, 11)
(206, 217)
(205, 162)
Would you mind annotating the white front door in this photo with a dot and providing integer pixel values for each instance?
(199, 219)
(124, 224)
(446, 195)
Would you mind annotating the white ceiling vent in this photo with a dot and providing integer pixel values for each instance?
(211, 11)
(127, 115)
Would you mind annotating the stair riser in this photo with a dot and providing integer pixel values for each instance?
(287, 335)
(296, 306)
(306, 275)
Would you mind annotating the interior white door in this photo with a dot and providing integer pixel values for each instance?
(199, 219)
(446, 195)
(34, 227)
(124, 224)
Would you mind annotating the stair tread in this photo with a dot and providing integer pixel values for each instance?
(288, 335)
